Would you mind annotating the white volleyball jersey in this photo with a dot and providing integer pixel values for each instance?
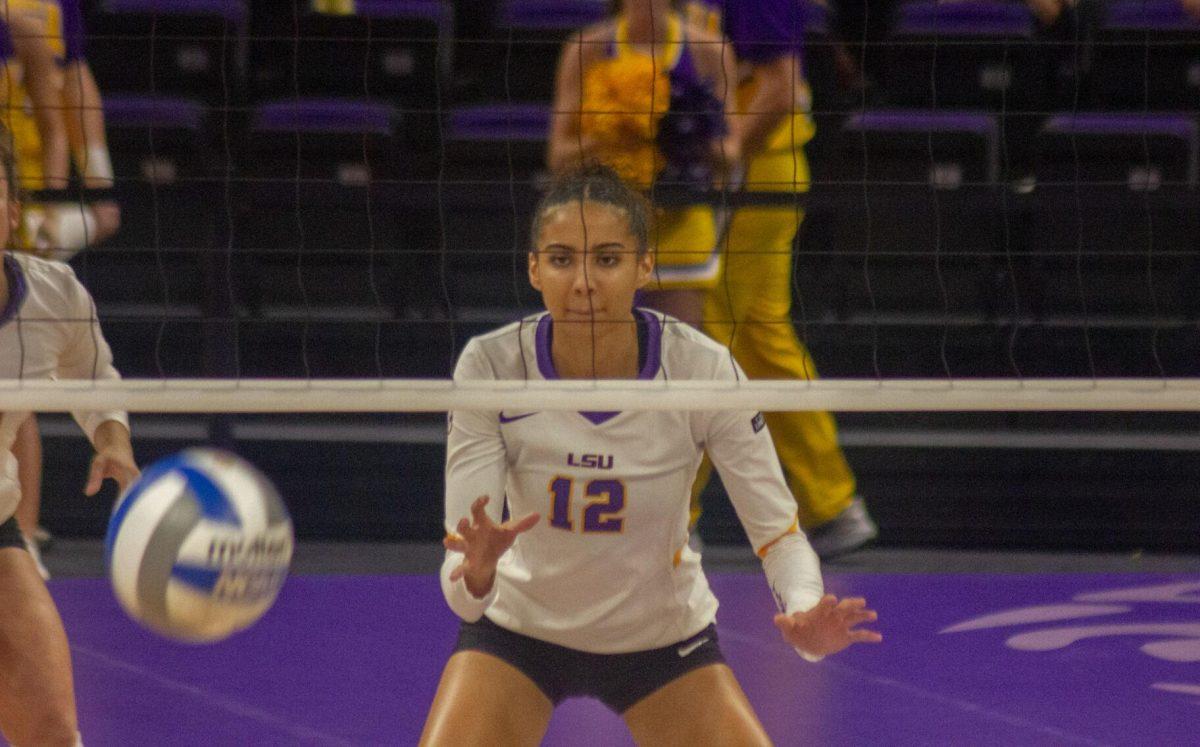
(607, 569)
(48, 330)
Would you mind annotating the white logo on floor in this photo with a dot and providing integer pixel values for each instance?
(1177, 642)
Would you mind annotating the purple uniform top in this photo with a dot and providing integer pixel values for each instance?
(760, 30)
(6, 45)
(72, 30)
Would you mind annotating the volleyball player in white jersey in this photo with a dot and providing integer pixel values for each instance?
(48, 329)
(591, 589)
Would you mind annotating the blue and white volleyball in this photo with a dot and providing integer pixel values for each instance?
(199, 546)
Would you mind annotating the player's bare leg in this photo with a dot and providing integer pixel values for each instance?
(27, 448)
(705, 706)
(37, 695)
(482, 700)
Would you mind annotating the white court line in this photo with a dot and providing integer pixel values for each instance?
(218, 701)
(965, 706)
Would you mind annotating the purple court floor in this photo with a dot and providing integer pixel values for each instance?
(968, 659)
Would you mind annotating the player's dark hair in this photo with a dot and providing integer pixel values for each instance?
(599, 184)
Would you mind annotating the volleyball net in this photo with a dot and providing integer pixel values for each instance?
(321, 201)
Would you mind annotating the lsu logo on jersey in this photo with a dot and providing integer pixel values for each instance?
(590, 461)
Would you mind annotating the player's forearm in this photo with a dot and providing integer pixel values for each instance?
(793, 571)
(85, 126)
(55, 161)
(776, 97)
(44, 83)
(112, 436)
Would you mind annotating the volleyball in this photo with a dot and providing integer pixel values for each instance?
(199, 546)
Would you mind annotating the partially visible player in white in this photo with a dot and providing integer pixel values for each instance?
(48, 329)
(54, 110)
(590, 588)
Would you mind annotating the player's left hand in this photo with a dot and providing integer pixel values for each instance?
(829, 627)
(112, 463)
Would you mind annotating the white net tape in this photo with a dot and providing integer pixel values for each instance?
(438, 395)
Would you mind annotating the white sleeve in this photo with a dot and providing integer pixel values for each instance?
(87, 355)
(740, 446)
(476, 465)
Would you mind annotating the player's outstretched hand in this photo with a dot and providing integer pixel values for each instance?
(482, 542)
(111, 463)
(830, 626)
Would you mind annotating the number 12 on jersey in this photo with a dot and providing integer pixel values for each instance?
(606, 499)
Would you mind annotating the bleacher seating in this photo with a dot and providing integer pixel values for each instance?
(1115, 215)
(989, 222)
(309, 230)
(394, 51)
(430, 148)
(974, 53)
(193, 50)
(1147, 58)
(516, 62)
(922, 241)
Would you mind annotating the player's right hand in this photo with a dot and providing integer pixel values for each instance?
(830, 626)
(482, 542)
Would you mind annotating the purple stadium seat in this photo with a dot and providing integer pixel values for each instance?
(550, 14)
(1149, 15)
(918, 238)
(345, 141)
(152, 111)
(155, 140)
(500, 123)
(1143, 151)
(497, 151)
(945, 148)
(188, 48)
(318, 171)
(161, 158)
(1115, 206)
(998, 68)
(516, 61)
(1126, 77)
(326, 115)
(231, 10)
(394, 50)
(973, 18)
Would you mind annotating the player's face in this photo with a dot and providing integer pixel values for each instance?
(587, 266)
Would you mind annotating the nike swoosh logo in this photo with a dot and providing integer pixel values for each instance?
(688, 648)
(514, 418)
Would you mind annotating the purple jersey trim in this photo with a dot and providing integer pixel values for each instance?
(544, 337)
(16, 289)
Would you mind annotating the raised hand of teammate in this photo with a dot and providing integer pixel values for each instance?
(482, 542)
(829, 627)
